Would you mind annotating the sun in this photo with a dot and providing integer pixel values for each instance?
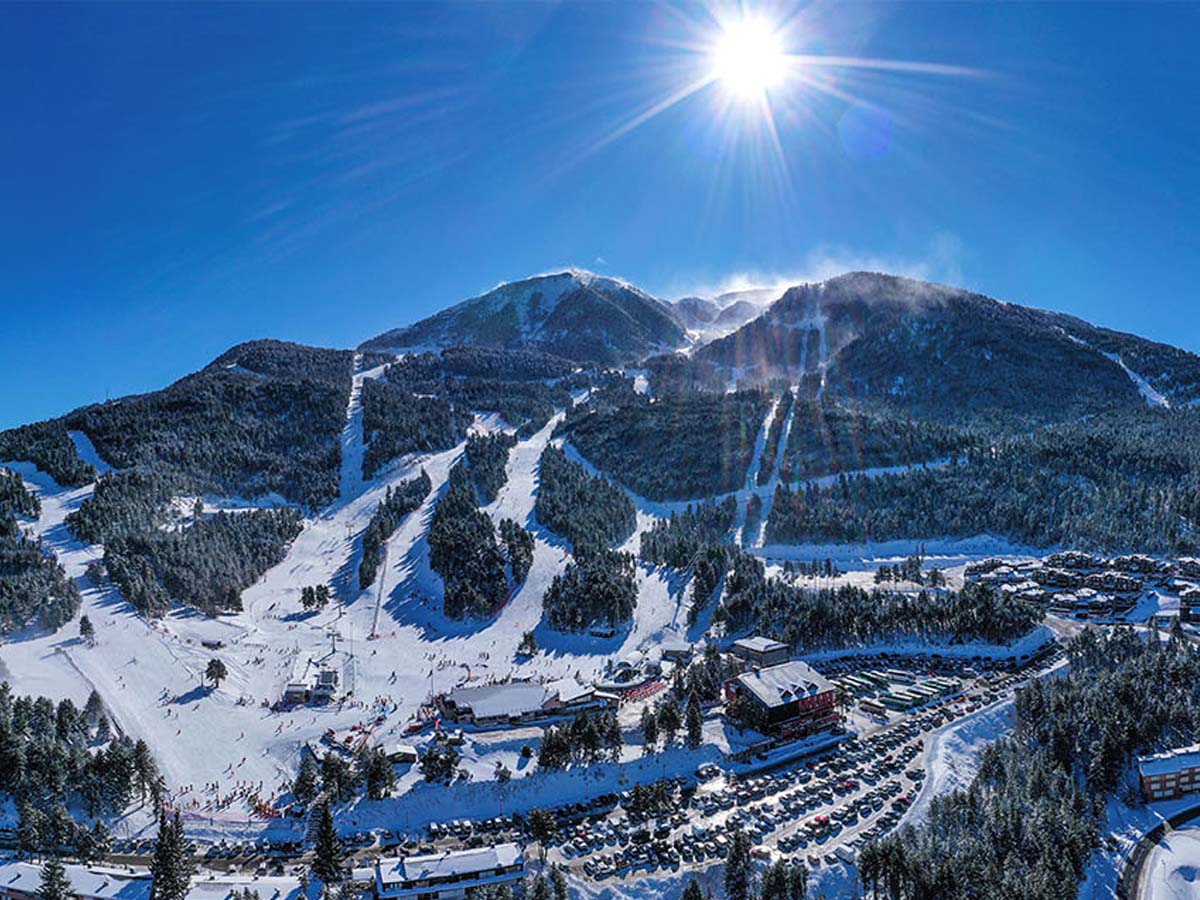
(748, 58)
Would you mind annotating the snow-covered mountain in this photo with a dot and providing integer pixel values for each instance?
(712, 317)
(935, 349)
(574, 314)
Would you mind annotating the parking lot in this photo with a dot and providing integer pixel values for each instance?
(814, 811)
(817, 811)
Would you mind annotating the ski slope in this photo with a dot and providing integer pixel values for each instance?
(149, 672)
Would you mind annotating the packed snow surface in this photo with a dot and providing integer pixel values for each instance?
(1172, 870)
(1149, 394)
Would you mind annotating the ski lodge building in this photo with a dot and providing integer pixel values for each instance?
(1166, 776)
(513, 702)
(791, 700)
(448, 876)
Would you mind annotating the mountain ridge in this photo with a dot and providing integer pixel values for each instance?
(574, 314)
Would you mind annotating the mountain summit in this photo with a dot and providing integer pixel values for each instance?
(573, 314)
(944, 351)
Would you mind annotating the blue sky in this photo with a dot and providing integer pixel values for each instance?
(178, 179)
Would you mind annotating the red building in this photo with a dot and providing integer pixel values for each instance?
(1166, 776)
(791, 699)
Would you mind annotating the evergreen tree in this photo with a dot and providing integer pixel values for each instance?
(543, 828)
(649, 728)
(216, 672)
(99, 842)
(87, 631)
(738, 867)
(146, 771)
(558, 883)
(528, 645)
(380, 774)
(669, 720)
(31, 824)
(172, 868)
(304, 788)
(784, 881)
(328, 855)
(337, 776)
(439, 764)
(93, 709)
(692, 891)
(54, 884)
(694, 719)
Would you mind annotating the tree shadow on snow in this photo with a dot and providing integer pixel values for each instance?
(199, 692)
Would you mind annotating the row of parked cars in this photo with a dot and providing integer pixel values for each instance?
(616, 844)
(226, 850)
(759, 805)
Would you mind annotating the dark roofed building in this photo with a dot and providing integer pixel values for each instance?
(760, 651)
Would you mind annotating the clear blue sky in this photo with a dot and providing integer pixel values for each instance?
(177, 179)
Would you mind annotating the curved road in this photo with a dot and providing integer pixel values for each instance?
(1135, 881)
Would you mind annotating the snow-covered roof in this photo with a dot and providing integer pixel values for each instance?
(1170, 761)
(777, 685)
(568, 690)
(444, 865)
(513, 698)
(106, 883)
(222, 887)
(675, 646)
(759, 644)
(109, 883)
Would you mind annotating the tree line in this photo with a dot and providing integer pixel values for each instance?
(206, 565)
(1108, 484)
(678, 541)
(465, 552)
(589, 737)
(397, 502)
(397, 421)
(848, 615)
(1029, 821)
(598, 587)
(265, 417)
(487, 457)
(34, 587)
(688, 445)
(774, 434)
(53, 756)
(524, 387)
(588, 510)
(48, 446)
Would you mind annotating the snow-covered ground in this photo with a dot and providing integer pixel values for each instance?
(87, 451)
(1166, 869)
(751, 486)
(149, 672)
(954, 754)
(768, 495)
(1024, 646)
(1172, 870)
(1149, 394)
(944, 552)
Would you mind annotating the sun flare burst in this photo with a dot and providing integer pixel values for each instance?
(748, 58)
